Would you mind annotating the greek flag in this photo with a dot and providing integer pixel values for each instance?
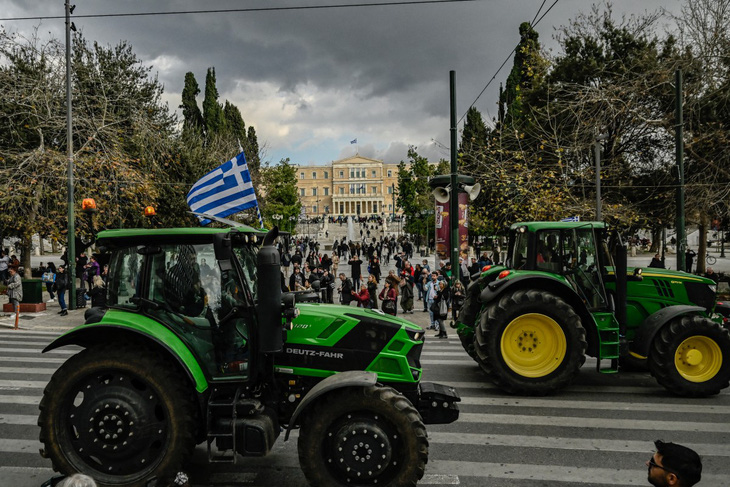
(224, 191)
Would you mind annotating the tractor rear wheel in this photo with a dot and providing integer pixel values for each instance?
(690, 356)
(530, 342)
(363, 436)
(120, 414)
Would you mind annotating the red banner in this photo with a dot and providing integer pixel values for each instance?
(443, 228)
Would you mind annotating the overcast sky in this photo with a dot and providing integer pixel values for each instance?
(310, 81)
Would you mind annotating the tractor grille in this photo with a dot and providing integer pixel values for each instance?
(700, 294)
(663, 288)
(414, 356)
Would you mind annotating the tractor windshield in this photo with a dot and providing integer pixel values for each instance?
(581, 265)
(246, 255)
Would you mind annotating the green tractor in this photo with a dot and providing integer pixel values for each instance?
(566, 291)
(199, 345)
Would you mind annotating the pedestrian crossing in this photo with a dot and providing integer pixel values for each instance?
(597, 432)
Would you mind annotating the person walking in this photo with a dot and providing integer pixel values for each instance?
(363, 297)
(388, 296)
(432, 289)
(356, 272)
(375, 268)
(15, 288)
(423, 278)
(406, 289)
(373, 291)
(345, 290)
(62, 284)
(441, 309)
(98, 293)
(49, 278)
(458, 295)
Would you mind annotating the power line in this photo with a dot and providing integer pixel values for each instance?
(238, 10)
(509, 56)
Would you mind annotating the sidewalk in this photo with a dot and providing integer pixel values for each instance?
(48, 320)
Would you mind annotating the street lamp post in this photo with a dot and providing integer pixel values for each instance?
(277, 218)
(292, 220)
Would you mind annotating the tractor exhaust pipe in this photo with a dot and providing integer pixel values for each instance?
(620, 260)
(269, 309)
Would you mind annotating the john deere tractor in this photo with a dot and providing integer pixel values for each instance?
(566, 292)
(199, 345)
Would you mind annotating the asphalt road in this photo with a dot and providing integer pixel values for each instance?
(598, 432)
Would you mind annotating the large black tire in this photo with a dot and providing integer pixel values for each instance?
(363, 436)
(467, 341)
(530, 342)
(120, 414)
(690, 356)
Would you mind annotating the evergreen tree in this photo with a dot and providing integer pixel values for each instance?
(215, 121)
(252, 155)
(234, 122)
(527, 72)
(473, 141)
(193, 117)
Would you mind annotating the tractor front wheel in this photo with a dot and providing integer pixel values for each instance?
(120, 414)
(690, 357)
(363, 436)
(530, 342)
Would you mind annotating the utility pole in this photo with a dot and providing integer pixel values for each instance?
(679, 143)
(71, 244)
(454, 194)
(392, 193)
(597, 149)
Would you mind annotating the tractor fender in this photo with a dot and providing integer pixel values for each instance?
(497, 288)
(163, 340)
(651, 325)
(350, 378)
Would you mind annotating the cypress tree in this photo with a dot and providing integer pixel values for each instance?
(212, 110)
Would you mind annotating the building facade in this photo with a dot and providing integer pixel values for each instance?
(352, 186)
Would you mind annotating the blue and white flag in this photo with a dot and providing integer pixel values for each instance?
(354, 141)
(224, 191)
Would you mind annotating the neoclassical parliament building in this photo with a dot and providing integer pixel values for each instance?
(355, 185)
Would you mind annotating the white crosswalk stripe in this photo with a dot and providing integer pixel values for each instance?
(560, 438)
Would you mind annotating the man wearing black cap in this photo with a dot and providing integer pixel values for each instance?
(674, 465)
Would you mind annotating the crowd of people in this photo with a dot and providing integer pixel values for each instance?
(305, 268)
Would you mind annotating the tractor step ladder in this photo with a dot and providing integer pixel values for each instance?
(609, 347)
(222, 405)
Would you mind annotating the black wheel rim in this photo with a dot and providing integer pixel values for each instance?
(116, 423)
(363, 448)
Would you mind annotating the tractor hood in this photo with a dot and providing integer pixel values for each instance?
(675, 287)
(327, 338)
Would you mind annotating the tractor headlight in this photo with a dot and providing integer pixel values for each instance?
(713, 288)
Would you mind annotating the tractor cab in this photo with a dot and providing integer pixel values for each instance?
(575, 253)
(194, 286)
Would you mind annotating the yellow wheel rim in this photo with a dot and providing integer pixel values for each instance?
(698, 359)
(533, 345)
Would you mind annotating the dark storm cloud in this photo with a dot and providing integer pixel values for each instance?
(313, 80)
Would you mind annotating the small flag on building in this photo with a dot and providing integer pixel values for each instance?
(353, 141)
(224, 191)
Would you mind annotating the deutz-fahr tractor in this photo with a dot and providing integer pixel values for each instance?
(200, 345)
(566, 291)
